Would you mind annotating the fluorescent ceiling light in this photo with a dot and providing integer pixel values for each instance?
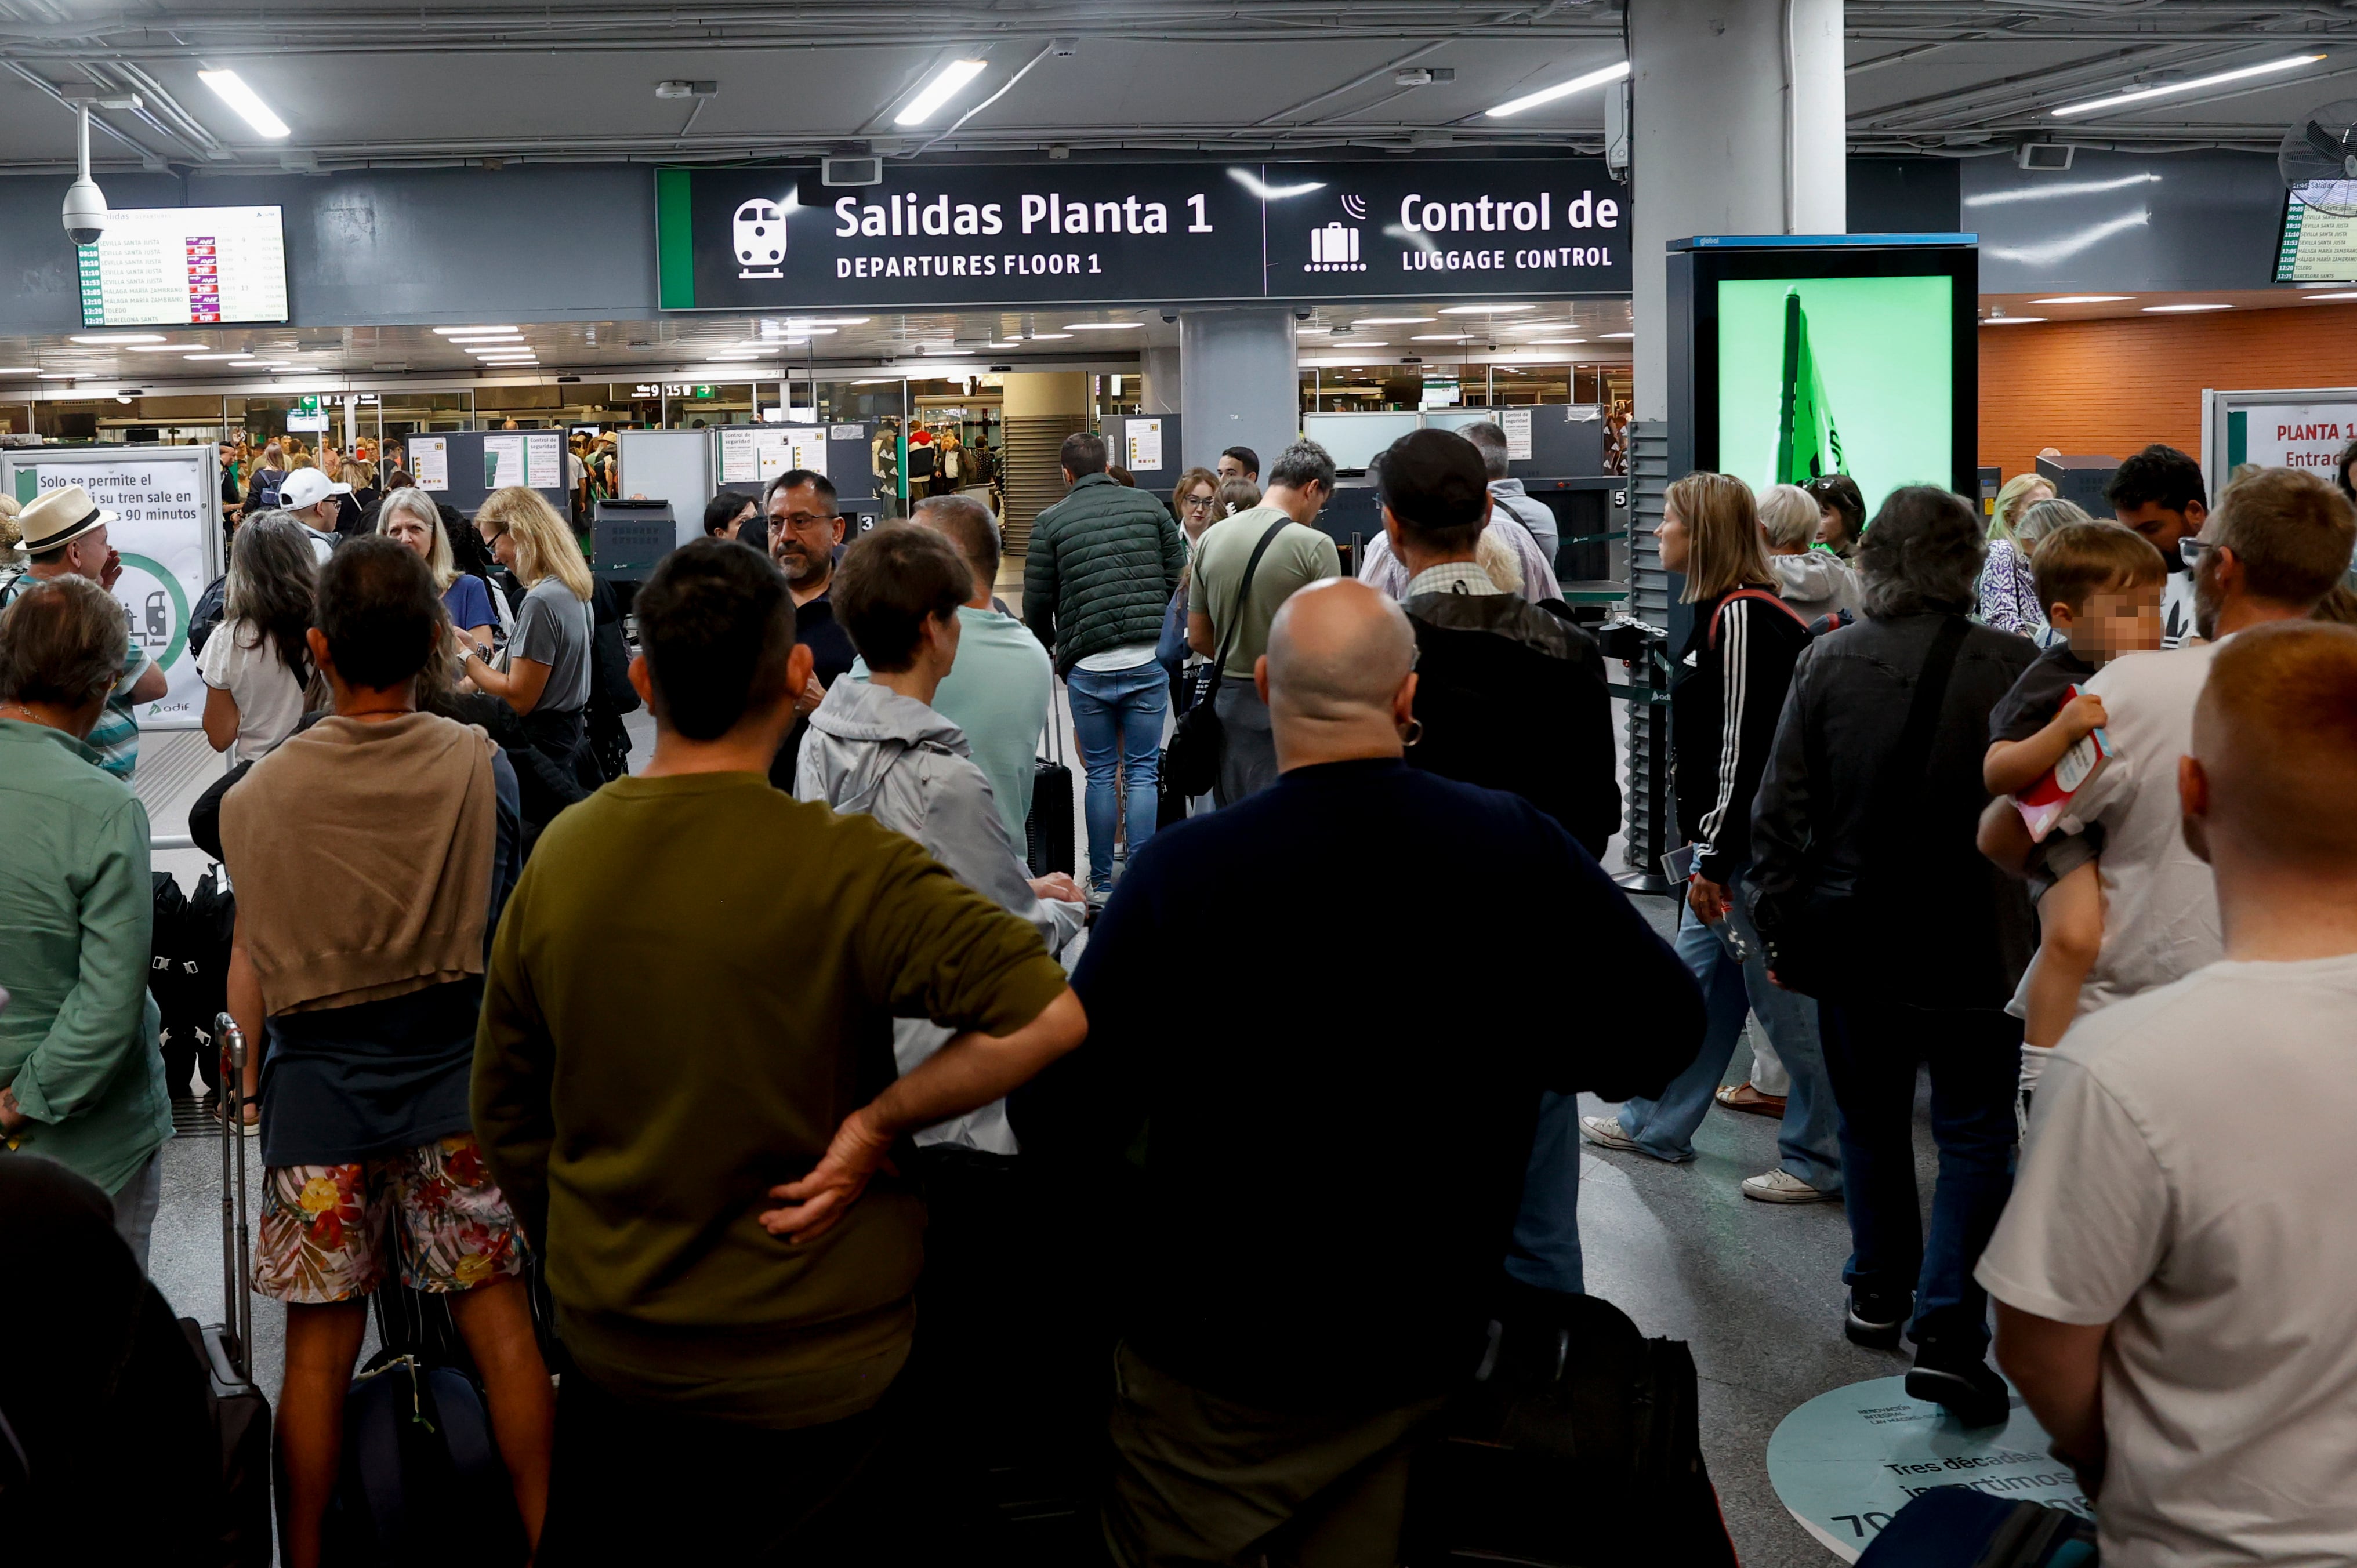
(2168, 309)
(1101, 326)
(2010, 320)
(2332, 296)
(467, 332)
(169, 347)
(247, 360)
(213, 356)
(879, 381)
(1555, 342)
(1393, 320)
(2083, 299)
(1253, 183)
(486, 338)
(1483, 309)
(1010, 343)
(1440, 338)
(1041, 337)
(2170, 89)
(18, 370)
(1616, 334)
(817, 321)
(1358, 343)
(1560, 90)
(120, 337)
(944, 84)
(232, 89)
(57, 376)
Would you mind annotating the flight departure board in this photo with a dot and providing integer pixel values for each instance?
(2318, 246)
(186, 266)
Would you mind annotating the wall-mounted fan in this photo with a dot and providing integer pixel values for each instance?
(2318, 159)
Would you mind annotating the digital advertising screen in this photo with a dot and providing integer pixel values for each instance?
(1821, 375)
(2318, 246)
(186, 266)
(1792, 361)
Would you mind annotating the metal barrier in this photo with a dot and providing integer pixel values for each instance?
(169, 841)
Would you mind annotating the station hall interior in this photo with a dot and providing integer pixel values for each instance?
(657, 263)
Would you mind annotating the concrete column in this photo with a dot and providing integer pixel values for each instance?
(1240, 386)
(1161, 382)
(1739, 128)
(1040, 408)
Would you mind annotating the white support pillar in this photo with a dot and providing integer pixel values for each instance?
(1739, 128)
(1238, 384)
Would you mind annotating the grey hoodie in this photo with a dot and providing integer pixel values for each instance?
(871, 750)
(1815, 583)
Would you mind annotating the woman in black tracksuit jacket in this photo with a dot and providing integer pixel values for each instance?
(1724, 698)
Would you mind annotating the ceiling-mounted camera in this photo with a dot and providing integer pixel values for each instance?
(85, 207)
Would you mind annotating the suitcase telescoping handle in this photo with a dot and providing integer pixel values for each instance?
(1052, 734)
(237, 1283)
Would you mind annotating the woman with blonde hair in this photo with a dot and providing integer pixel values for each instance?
(547, 674)
(2008, 594)
(411, 516)
(1724, 705)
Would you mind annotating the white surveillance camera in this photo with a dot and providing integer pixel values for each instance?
(85, 213)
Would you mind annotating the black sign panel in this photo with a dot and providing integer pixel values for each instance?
(944, 236)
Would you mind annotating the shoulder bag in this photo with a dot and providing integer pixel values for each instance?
(1810, 935)
(1192, 766)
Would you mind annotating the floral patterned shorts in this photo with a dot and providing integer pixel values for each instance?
(331, 1232)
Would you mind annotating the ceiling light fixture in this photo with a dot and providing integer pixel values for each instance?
(213, 356)
(1041, 337)
(940, 90)
(487, 338)
(1560, 90)
(2193, 84)
(2011, 320)
(815, 322)
(56, 376)
(232, 89)
(1392, 320)
(120, 338)
(1616, 334)
(18, 370)
(2324, 296)
(2174, 309)
(1101, 326)
(1483, 309)
(467, 332)
(1555, 342)
(879, 381)
(168, 347)
(1436, 337)
(2083, 299)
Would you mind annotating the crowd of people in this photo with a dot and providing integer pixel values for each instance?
(851, 1148)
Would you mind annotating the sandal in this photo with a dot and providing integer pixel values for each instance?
(1743, 1097)
(251, 1117)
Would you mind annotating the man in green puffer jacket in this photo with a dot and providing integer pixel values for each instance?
(1102, 566)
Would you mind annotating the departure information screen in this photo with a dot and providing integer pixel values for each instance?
(186, 266)
(2316, 246)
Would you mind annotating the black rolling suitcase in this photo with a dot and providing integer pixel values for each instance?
(1576, 1443)
(1050, 842)
(241, 1413)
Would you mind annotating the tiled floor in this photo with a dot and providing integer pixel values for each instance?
(1754, 1288)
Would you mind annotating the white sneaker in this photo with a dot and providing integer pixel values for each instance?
(1606, 1131)
(1781, 1186)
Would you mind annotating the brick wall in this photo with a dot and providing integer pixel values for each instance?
(2113, 385)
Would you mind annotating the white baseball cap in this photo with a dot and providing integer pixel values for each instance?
(308, 487)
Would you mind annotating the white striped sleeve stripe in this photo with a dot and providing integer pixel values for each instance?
(1735, 628)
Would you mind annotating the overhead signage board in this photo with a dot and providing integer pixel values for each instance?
(185, 266)
(775, 238)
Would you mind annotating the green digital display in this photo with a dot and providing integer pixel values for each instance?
(1851, 375)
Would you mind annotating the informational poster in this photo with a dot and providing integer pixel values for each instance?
(1516, 424)
(1145, 442)
(1847, 1461)
(544, 458)
(503, 461)
(2318, 246)
(2308, 436)
(740, 461)
(165, 501)
(844, 432)
(429, 461)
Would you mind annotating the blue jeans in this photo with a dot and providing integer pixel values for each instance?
(1546, 1248)
(1807, 1143)
(1871, 1053)
(1118, 713)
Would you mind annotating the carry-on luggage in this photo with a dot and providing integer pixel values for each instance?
(1576, 1443)
(241, 1413)
(1050, 842)
(1956, 1526)
(422, 1476)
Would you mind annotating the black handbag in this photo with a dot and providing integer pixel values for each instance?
(1810, 928)
(1192, 765)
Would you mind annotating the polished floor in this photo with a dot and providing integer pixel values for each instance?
(1755, 1289)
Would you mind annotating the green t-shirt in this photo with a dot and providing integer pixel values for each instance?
(693, 984)
(1297, 557)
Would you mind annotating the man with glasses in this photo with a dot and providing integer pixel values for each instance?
(805, 530)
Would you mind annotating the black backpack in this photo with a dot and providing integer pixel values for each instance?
(264, 496)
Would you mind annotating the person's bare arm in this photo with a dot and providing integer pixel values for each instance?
(1199, 633)
(969, 1072)
(2059, 1367)
(151, 685)
(518, 685)
(221, 717)
(2012, 767)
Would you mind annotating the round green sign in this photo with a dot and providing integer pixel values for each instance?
(172, 650)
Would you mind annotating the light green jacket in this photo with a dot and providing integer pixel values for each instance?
(78, 1041)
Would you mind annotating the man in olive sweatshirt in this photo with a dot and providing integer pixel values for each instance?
(683, 1081)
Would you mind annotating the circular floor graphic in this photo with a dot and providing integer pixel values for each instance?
(1847, 1460)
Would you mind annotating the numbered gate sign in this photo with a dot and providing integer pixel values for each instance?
(1846, 1461)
